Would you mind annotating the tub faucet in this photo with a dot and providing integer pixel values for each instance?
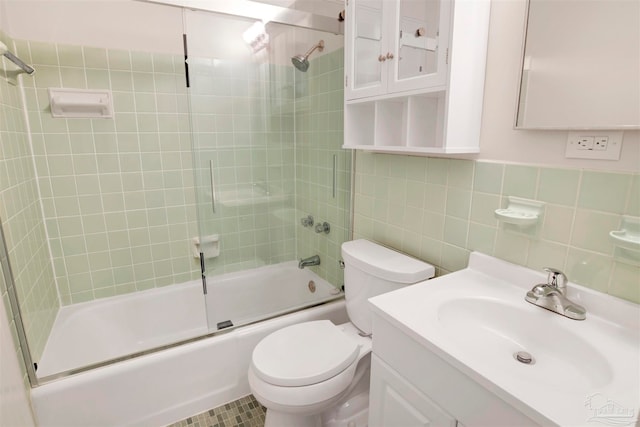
(308, 262)
(552, 296)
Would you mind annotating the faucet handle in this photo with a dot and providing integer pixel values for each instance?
(556, 279)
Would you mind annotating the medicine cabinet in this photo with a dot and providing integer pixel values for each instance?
(414, 75)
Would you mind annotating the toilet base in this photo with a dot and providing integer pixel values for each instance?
(351, 410)
(280, 419)
(354, 412)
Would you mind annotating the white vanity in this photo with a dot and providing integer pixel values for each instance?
(444, 354)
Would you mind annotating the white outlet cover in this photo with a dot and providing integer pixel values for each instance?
(614, 145)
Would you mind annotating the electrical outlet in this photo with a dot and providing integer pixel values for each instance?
(595, 145)
(585, 142)
(600, 143)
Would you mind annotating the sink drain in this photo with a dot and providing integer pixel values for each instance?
(524, 357)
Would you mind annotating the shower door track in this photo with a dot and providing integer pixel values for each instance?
(261, 12)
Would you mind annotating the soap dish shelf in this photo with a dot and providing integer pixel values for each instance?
(625, 240)
(520, 212)
(628, 238)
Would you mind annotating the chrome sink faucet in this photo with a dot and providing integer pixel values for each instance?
(552, 296)
(308, 262)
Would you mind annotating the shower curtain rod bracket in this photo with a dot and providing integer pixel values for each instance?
(11, 75)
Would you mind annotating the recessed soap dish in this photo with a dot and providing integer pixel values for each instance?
(520, 212)
(511, 216)
(628, 238)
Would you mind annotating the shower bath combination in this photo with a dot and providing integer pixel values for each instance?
(301, 62)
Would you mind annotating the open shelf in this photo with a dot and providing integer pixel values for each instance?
(406, 124)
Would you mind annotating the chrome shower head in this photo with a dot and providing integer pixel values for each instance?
(301, 62)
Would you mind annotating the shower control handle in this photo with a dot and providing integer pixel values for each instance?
(307, 221)
(323, 227)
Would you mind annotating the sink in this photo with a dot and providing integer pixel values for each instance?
(494, 329)
(478, 321)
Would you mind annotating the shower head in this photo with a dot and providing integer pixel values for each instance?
(301, 62)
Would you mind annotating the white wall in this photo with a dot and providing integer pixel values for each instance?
(15, 407)
(116, 24)
(3, 17)
(141, 26)
(499, 140)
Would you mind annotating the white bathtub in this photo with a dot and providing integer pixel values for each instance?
(165, 386)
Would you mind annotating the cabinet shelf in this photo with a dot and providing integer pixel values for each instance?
(417, 151)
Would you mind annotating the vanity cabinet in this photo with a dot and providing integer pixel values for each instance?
(395, 401)
(414, 75)
(411, 385)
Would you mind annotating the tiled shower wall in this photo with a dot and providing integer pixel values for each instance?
(117, 193)
(442, 209)
(319, 136)
(22, 219)
(243, 124)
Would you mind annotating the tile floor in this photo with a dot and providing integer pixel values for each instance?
(245, 412)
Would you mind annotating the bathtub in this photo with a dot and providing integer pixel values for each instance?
(162, 387)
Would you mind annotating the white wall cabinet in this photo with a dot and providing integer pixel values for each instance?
(395, 46)
(414, 75)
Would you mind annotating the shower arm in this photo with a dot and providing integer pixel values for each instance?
(319, 45)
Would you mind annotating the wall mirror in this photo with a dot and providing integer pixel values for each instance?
(580, 65)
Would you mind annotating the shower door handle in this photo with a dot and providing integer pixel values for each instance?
(213, 186)
(335, 176)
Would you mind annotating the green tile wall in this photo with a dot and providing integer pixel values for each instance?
(22, 220)
(319, 136)
(271, 127)
(117, 193)
(243, 123)
(440, 210)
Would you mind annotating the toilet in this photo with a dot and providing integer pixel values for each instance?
(316, 374)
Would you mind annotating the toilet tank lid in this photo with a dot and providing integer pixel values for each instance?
(385, 263)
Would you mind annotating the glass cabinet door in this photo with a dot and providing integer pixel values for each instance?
(366, 49)
(420, 44)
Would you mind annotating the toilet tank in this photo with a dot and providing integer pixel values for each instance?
(370, 270)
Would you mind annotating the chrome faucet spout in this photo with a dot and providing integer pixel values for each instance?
(552, 296)
(308, 262)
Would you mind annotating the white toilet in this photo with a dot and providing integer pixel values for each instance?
(316, 373)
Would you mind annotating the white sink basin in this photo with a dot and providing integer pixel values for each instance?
(497, 330)
(477, 320)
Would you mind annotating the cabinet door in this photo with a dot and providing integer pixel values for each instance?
(420, 39)
(393, 401)
(364, 46)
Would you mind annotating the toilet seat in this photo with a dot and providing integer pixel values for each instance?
(304, 354)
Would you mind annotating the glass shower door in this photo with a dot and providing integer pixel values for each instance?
(243, 156)
(266, 143)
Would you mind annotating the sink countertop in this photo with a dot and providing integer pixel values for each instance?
(476, 319)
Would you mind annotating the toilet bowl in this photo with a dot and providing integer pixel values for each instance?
(316, 374)
(307, 368)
